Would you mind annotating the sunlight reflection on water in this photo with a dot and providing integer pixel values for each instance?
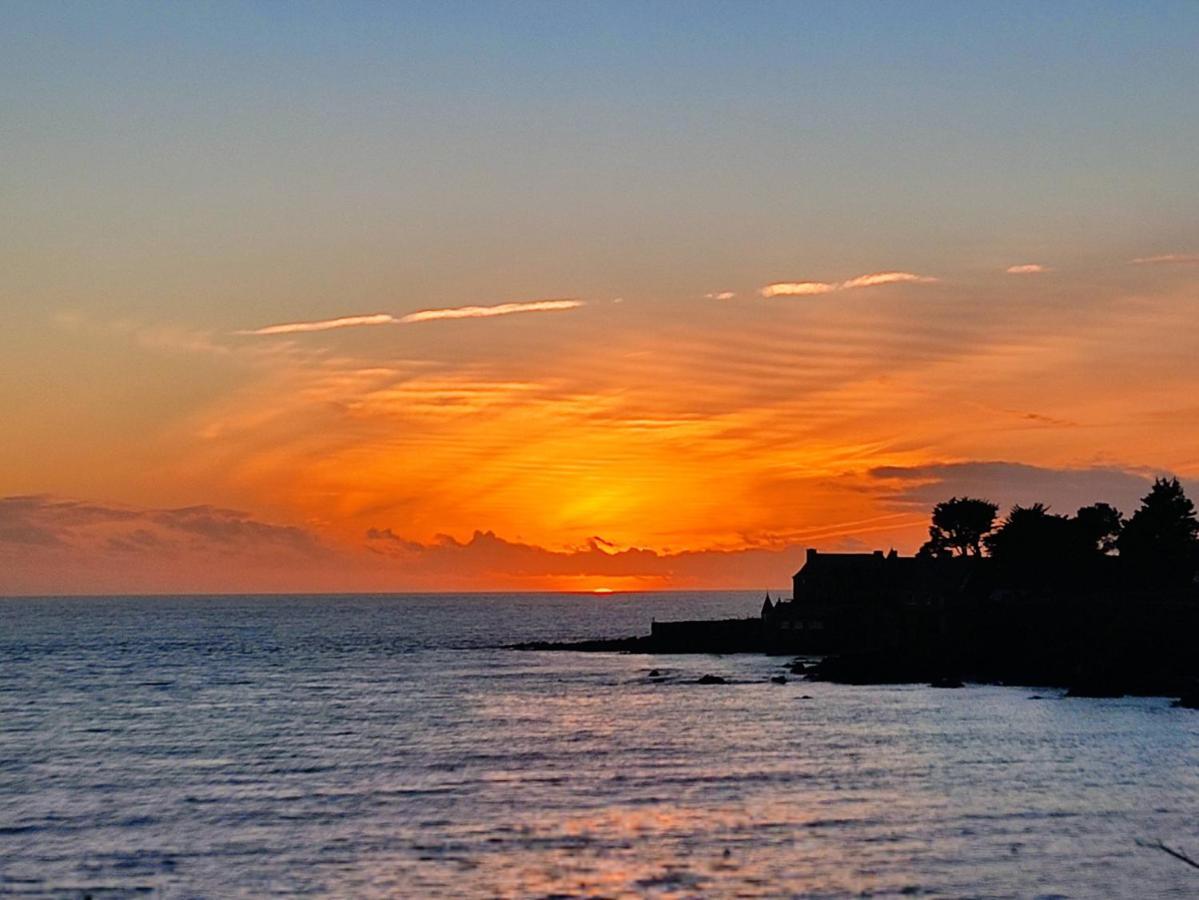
(251, 746)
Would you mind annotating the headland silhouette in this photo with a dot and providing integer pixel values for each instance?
(1094, 602)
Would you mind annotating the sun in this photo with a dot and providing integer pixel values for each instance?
(601, 590)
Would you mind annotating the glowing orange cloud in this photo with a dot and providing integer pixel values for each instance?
(798, 288)
(703, 449)
(692, 435)
(1027, 269)
(812, 288)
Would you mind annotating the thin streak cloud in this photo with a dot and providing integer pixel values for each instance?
(486, 312)
(1027, 269)
(325, 324)
(1166, 259)
(886, 278)
(424, 315)
(721, 295)
(814, 288)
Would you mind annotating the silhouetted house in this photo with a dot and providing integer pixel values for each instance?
(844, 601)
(847, 577)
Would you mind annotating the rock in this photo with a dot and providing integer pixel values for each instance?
(871, 667)
(711, 679)
(1189, 699)
(798, 668)
(779, 679)
(806, 697)
(654, 673)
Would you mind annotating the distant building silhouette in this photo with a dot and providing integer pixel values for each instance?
(846, 601)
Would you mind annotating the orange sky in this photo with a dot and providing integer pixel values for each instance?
(439, 302)
(722, 443)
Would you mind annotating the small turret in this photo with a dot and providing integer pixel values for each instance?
(767, 608)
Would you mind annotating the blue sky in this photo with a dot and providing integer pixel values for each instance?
(724, 136)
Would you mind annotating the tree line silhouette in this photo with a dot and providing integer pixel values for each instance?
(1157, 547)
(1095, 602)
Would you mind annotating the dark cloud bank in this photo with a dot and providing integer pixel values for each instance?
(51, 544)
(1009, 483)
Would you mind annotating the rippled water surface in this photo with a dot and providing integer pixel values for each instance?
(389, 746)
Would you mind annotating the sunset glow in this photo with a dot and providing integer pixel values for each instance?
(296, 333)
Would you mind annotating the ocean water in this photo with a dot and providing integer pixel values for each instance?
(390, 747)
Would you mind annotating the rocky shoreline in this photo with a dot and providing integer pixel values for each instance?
(881, 668)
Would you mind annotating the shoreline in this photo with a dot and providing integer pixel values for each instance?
(888, 668)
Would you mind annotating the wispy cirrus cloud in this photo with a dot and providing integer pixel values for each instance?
(325, 324)
(814, 288)
(424, 315)
(1027, 269)
(1166, 259)
(878, 278)
(721, 295)
(486, 312)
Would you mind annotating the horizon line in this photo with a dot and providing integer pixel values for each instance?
(589, 592)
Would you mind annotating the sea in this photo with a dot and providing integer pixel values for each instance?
(393, 746)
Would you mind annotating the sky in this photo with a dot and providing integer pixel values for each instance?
(544, 296)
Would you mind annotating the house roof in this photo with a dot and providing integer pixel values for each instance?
(844, 562)
(889, 571)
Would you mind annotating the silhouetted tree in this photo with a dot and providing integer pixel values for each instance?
(1100, 525)
(935, 547)
(1161, 540)
(959, 526)
(1035, 547)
